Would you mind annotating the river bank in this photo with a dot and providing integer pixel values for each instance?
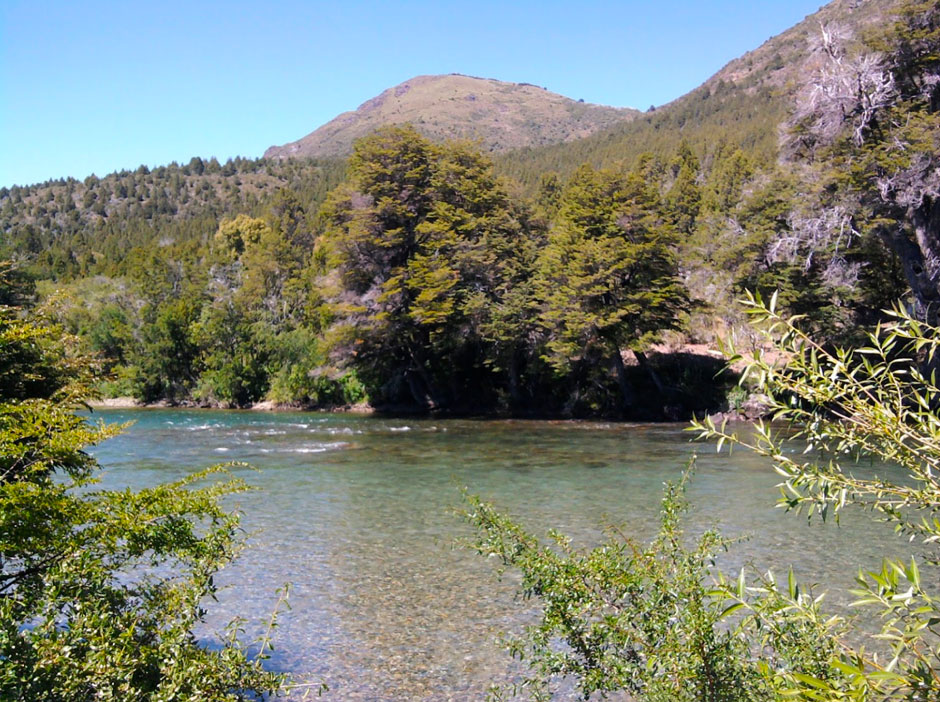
(680, 383)
(128, 402)
(676, 384)
(754, 408)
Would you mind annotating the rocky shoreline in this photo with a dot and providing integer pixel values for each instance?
(264, 406)
(753, 409)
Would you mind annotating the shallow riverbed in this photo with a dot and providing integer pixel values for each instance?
(357, 513)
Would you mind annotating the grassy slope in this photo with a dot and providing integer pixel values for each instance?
(501, 115)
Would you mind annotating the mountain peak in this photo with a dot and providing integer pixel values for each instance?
(499, 114)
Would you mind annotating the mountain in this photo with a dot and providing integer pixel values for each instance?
(501, 115)
(785, 61)
(742, 105)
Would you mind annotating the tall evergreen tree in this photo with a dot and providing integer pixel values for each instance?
(406, 243)
(684, 197)
(608, 275)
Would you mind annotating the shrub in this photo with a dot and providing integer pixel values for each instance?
(875, 403)
(622, 616)
(660, 622)
(100, 590)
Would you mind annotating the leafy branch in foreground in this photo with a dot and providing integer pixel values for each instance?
(101, 590)
(647, 620)
(877, 403)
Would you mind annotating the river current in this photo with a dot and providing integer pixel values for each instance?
(358, 515)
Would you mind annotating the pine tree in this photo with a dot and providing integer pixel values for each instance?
(684, 198)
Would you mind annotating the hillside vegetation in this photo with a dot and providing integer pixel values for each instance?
(66, 228)
(743, 105)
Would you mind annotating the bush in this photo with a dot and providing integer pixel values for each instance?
(649, 620)
(622, 616)
(659, 622)
(303, 374)
(876, 403)
(100, 590)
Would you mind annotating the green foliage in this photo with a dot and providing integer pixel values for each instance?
(409, 242)
(100, 590)
(234, 235)
(168, 363)
(608, 272)
(684, 197)
(233, 360)
(732, 170)
(608, 277)
(740, 114)
(640, 619)
(443, 293)
(869, 126)
(662, 624)
(16, 288)
(100, 311)
(437, 283)
(68, 229)
(305, 376)
(875, 402)
(37, 363)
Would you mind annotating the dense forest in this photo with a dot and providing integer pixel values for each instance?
(425, 276)
(424, 280)
(67, 229)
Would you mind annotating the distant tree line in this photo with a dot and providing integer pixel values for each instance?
(67, 229)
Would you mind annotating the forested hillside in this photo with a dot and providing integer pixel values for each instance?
(743, 105)
(567, 280)
(67, 228)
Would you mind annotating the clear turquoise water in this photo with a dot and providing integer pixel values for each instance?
(357, 513)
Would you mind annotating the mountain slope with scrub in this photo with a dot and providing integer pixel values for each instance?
(501, 116)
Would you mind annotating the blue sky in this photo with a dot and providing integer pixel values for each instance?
(92, 87)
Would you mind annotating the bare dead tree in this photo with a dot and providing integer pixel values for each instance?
(848, 91)
(868, 122)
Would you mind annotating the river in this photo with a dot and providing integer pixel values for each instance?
(358, 515)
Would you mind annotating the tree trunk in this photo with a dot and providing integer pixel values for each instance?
(920, 260)
(650, 371)
(437, 399)
(432, 399)
(418, 391)
(575, 377)
(515, 397)
(926, 269)
(627, 398)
